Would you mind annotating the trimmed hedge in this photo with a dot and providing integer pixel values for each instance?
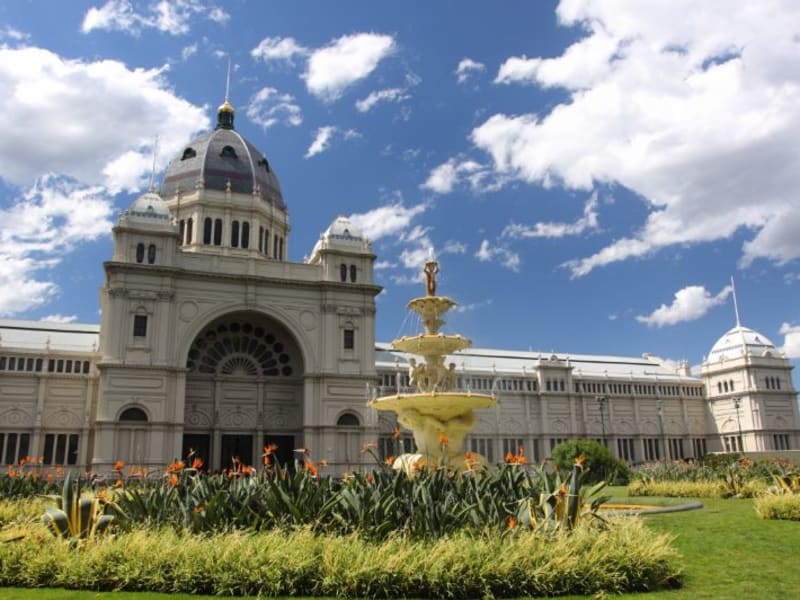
(678, 489)
(623, 556)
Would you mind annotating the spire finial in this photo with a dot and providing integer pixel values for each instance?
(225, 111)
(153, 170)
(735, 303)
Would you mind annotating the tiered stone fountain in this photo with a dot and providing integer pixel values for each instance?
(438, 414)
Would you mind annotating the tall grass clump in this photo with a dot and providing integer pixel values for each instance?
(621, 557)
(784, 507)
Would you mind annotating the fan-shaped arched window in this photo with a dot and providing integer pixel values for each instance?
(228, 152)
(133, 414)
(348, 420)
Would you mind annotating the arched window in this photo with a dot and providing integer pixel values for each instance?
(139, 253)
(260, 239)
(719, 387)
(228, 152)
(343, 272)
(725, 385)
(353, 272)
(235, 234)
(133, 414)
(266, 242)
(189, 230)
(245, 234)
(348, 420)
(218, 232)
(207, 231)
(188, 153)
(151, 254)
(181, 231)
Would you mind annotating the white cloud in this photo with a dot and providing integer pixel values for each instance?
(444, 178)
(499, 254)
(168, 16)
(388, 95)
(468, 67)
(59, 318)
(268, 107)
(389, 220)
(557, 230)
(690, 303)
(15, 35)
(188, 51)
(39, 229)
(791, 340)
(692, 106)
(465, 308)
(348, 59)
(454, 247)
(50, 126)
(278, 49)
(322, 140)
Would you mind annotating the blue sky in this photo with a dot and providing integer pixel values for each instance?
(590, 174)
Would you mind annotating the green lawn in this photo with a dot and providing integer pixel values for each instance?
(728, 553)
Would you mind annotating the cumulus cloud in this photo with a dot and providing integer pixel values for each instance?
(345, 61)
(388, 95)
(15, 35)
(468, 67)
(791, 340)
(444, 178)
(541, 229)
(278, 49)
(188, 51)
(168, 16)
(268, 107)
(689, 304)
(699, 118)
(499, 254)
(50, 126)
(389, 220)
(39, 228)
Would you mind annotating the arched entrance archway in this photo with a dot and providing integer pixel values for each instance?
(244, 389)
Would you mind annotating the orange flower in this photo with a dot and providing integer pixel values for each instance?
(198, 509)
(390, 460)
(119, 465)
(419, 465)
(368, 478)
(12, 472)
(562, 491)
(443, 441)
(102, 495)
(311, 468)
(368, 446)
(173, 480)
(197, 464)
(266, 460)
(178, 465)
(521, 460)
(396, 433)
(510, 458)
(118, 483)
(270, 449)
(512, 522)
(347, 476)
(580, 460)
(303, 451)
(521, 451)
(247, 469)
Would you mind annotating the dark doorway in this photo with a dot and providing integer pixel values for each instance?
(239, 447)
(199, 446)
(285, 451)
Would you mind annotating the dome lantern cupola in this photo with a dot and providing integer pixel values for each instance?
(225, 114)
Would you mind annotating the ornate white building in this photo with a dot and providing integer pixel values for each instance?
(211, 340)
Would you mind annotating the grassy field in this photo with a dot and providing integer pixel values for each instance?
(728, 553)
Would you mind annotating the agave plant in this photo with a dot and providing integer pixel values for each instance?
(76, 516)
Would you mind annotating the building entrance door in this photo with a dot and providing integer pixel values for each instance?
(236, 446)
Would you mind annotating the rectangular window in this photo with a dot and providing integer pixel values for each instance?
(349, 340)
(625, 449)
(181, 231)
(60, 449)
(652, 449)
(13, 447)
(699, 447)
(261, 239)
(513, 446)
(676, 449)
(781, 441)
(555, 442)
(217, 232)
(389, 446)
(139, 325)
(484, 447)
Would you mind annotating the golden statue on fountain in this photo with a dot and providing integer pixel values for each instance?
(434, 410)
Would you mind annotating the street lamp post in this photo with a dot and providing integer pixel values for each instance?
(737, 402)
(601, 404)
(660, 410)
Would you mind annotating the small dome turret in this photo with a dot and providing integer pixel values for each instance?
(741, 341)
(148, 210)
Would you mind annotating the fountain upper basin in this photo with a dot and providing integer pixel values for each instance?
(441, 405)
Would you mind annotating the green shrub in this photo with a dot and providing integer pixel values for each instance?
(678, 489)
(785, 507)
(621, 556)
(599, 462)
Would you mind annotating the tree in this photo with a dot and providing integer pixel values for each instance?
(599, 463)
